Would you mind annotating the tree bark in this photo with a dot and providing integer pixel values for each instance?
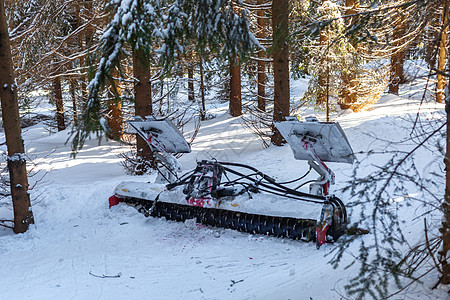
(280, 13)
(90, 29)
(322, 80)
(235, 87)
(115, 120)
(261, 63)
(143, 101)
(84, 91)
(445, 230)
(191, 94)
(397, 61)
(72, 88)
(440, 85)
(349, 81)
(23, 216)
(202, 91)
(57, 90)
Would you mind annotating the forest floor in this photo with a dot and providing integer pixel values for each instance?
(79, 248)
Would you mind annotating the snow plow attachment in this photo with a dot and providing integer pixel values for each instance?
(240, 197)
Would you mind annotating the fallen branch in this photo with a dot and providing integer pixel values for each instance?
(106, 276)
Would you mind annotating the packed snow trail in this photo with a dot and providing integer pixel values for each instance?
(81, 249)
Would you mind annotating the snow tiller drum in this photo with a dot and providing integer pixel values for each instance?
(240, 197)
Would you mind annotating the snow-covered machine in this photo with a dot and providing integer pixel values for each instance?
(240, 197)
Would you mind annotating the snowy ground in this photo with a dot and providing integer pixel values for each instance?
(77, 239)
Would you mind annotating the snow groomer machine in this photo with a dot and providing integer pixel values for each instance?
(240, 197)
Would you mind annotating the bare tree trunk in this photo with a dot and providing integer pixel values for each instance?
(322, 96)
(349, 81)
(235, 87)
(280, 13)
(191, 94)
(143, 101)
(84, 91)
(72, 88)
(143, 88)
(440, 85)
(202, 91)
(261, 63)
(90, 29)
(397, 61)
(445, 230)
(431, 36)
(115, 120)
(23, 216)
(57, 90)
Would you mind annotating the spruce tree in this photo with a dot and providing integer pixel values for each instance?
(23, 216)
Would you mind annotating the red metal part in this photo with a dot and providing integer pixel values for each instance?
(114, 200)
(321, 233)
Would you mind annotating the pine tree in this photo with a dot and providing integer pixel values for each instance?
(445, 229)
(58, 98)
(172, 29)
(23, 216)
(235, 87)
(143, 104)
(261, 78)
(443, 51)
(280, 55)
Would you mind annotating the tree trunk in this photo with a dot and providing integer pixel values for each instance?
(57, 90)
(115, 120)
(84, 91)
(349, 81)
(23, 216)
(261, 63)
(90, 29)
(322, 96)
(143, 88)
(202, 91)
(235, 87)
(72, 88)
(280, 13)
(445, 230)
(397, 60)
(143, 103)
(440, 85)
(191, 94)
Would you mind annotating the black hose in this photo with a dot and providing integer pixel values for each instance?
(297, 179)
(293, 197)
(272, 186)
(304, 183)
(282, 189)
(271, 180)
(181, 180)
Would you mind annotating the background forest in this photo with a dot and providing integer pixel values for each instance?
(84, 67)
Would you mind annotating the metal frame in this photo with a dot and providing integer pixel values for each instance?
(317, 142)
(163, 138)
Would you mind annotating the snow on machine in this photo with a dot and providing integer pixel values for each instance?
(238, 196)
